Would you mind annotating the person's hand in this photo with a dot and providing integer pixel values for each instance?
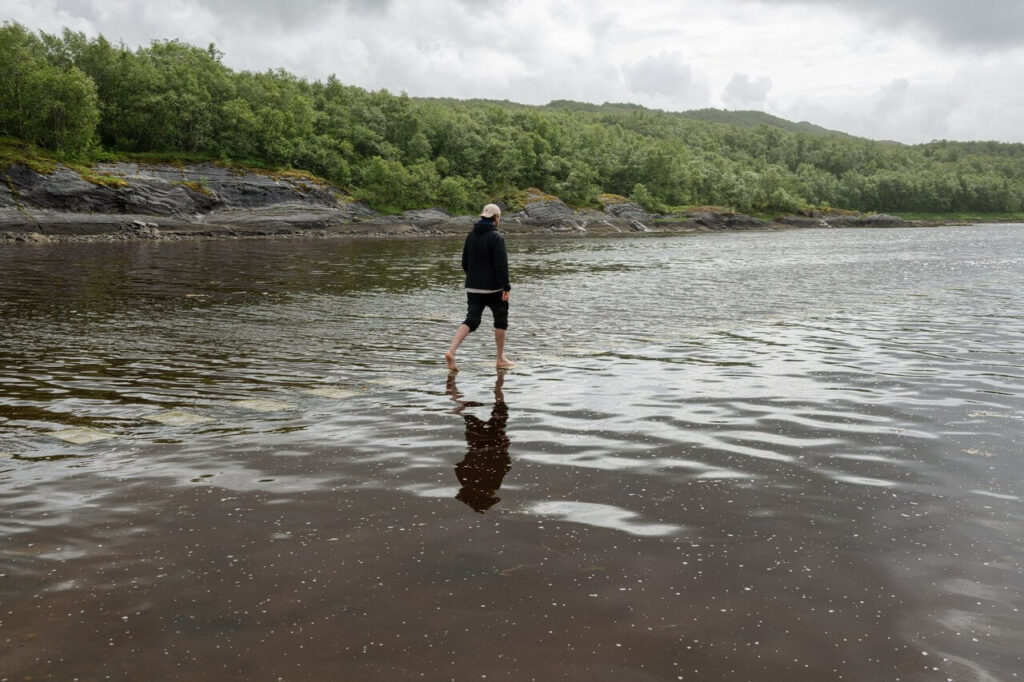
(505, 295)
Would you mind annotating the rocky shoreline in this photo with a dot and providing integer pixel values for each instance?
(125, 201)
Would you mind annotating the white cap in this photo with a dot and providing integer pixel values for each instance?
(490, 210)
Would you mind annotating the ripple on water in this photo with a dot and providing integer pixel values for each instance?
(830, 419)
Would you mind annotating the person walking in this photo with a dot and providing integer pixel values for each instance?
(485, 261)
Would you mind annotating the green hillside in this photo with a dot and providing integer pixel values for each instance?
(754, 119)
(87, 98)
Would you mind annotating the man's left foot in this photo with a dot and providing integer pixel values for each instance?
(449, 359)
(505, 363)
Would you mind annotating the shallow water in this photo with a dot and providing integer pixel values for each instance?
(739, 456)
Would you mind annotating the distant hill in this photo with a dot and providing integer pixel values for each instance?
(606, 108)
(740, 119)
(754, 119)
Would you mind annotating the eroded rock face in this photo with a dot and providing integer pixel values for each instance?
(430, 217)
(627, 210)
(802, 221)
(189, 199)
(162, 190)
(25, 237)
(167, 202)
(290, 215)
(871, 220)
(156, 198)
(546, 211)
(139, 229)
(459, 225)
(727, 221)
(64, 190)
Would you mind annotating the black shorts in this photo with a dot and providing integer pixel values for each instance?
(476, 304)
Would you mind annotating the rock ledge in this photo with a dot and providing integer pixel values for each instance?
(134, 201)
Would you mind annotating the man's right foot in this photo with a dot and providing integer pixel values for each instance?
(505, 363)
(449, 359)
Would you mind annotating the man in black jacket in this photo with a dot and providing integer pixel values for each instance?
(486, 264)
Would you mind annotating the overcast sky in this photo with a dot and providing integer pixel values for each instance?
(908, 70)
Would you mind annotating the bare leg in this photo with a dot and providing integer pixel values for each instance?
(449, 357)
(499, 341)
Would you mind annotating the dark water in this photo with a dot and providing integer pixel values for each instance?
(761, 456)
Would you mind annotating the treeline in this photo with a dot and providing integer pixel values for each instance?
(84, 98)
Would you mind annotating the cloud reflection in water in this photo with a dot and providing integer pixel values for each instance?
(602, 516)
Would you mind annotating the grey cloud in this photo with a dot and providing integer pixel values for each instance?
(899, 111)
(744, 92)
(198, 20)
(272, 14)
(892, 97)
(78, 8)
(662, 74)
(985, 24)
(600, 26)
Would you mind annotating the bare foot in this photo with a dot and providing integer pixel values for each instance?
(449, 359)
(505, 363)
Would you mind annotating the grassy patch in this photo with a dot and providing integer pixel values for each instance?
(14, 151)
(111, 181)
(184, 159)
(173, 159)
(704, 209)
(197, 186)
(612, 199)
(532, 195)
(516, 200)
(298, 175)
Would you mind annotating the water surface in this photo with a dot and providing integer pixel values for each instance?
(739, 456)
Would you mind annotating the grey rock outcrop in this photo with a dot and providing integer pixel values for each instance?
(630, 211)
(727, 221)
(137, 201)
(224, 186)
(869, 220)
(199, 199)
(844, 220)
(546, 212)
(155, 198)
(802, 221)
(141, 230)
(63, 190)
(431, 217)
(633, 214)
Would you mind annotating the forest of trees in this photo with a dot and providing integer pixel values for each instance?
(87, 98)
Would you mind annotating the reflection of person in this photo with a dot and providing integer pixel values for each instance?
(486, 462)
(485, 261)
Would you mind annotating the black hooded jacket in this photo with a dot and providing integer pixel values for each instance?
(484, 258)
